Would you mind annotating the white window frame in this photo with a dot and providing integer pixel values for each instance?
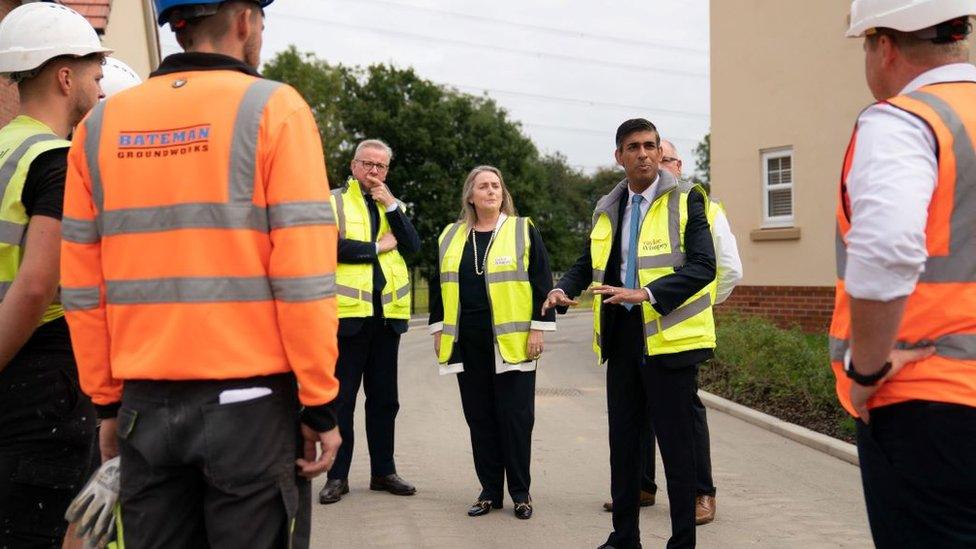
(779, 220)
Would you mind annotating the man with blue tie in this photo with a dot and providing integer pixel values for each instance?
(651, 255)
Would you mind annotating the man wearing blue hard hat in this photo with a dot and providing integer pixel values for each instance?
(221, 413)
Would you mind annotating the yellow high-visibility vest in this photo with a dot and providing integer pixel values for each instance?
(21, 141)
(354, 281)
(660, 250)
(509, 289)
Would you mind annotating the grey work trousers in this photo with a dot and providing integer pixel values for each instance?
(197, 473)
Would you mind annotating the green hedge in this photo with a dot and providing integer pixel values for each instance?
(784, 373)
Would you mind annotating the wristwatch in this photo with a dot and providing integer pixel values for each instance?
(861, 379)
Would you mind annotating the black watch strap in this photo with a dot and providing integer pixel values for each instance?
(866, 380)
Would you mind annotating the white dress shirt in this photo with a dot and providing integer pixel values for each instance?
(727, 263)
(892, 178)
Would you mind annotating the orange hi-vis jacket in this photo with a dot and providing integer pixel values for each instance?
(942, 309)
(198, 239)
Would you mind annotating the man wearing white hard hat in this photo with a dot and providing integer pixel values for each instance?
(903, 336)
(46, 425)
(117, 77)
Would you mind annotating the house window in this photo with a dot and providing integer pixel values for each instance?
(778, 188)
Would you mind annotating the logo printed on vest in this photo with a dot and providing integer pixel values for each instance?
(503, 260)
(653, 245)
(163, 143)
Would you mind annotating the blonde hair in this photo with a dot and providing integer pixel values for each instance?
(468, 213)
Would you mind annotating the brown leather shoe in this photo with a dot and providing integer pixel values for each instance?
(646, 500)
(704, 509)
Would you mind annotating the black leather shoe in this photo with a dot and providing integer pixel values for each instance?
(333, 490)
(482, 507)
(523, 510)
(392, 484)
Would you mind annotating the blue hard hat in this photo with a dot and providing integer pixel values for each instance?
(164, 6)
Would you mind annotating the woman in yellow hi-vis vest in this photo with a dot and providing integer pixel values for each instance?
(485, 317)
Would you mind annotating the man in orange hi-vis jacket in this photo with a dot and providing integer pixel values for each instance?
(198, 263)
(903, 336)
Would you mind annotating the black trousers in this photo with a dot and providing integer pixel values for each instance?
(634, 391)
(500, 412)
(703, 457)
(47, 431)
(918, 466)
(196, 473)
(369, 357)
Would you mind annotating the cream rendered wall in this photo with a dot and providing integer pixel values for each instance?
(132, 34)
(782, 74)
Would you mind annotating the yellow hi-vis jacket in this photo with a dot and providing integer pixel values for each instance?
(354, 281)
(21, 141)
(660, 251)
(509, 289)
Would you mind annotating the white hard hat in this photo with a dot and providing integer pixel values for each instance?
(35, 33)
(117, 76)
(905, 15)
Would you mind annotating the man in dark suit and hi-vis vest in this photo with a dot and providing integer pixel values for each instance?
(651, 254)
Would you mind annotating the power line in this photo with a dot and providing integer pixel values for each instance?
(539, 28)
(498, 48)
(607, 133)
(578, 101)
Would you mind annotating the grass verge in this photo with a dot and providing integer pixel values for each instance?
(784, 373)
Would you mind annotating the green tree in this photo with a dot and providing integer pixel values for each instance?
(703, 161)
(438, 135)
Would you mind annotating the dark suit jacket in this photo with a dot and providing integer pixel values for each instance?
(357, 251)
(669, 291)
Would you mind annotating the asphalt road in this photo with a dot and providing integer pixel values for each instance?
(772, 492)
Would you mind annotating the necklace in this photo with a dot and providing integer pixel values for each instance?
(474, 247)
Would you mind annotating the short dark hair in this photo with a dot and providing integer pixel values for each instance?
(636, 125)
(214, 25)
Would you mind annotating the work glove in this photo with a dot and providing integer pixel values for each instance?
(92, 509)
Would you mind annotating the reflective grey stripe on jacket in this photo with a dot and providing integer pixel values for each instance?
(9, 166)
(80, 298)
(678, 315)
(13, 233)
(957, 346)
(340, 212)
(219, 289)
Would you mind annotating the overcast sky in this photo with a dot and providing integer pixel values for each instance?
(569, 71)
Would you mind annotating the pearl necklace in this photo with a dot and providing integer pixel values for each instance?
(474, 246)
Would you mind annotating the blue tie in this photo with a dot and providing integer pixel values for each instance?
(635, 220)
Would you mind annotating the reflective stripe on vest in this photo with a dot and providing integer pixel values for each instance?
(508, 285)
(941, 311)
(354, 286)
(238, 213)
(660, 251)
(22, 141)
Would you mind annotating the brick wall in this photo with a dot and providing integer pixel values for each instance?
(809, 307)
(9, 101)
